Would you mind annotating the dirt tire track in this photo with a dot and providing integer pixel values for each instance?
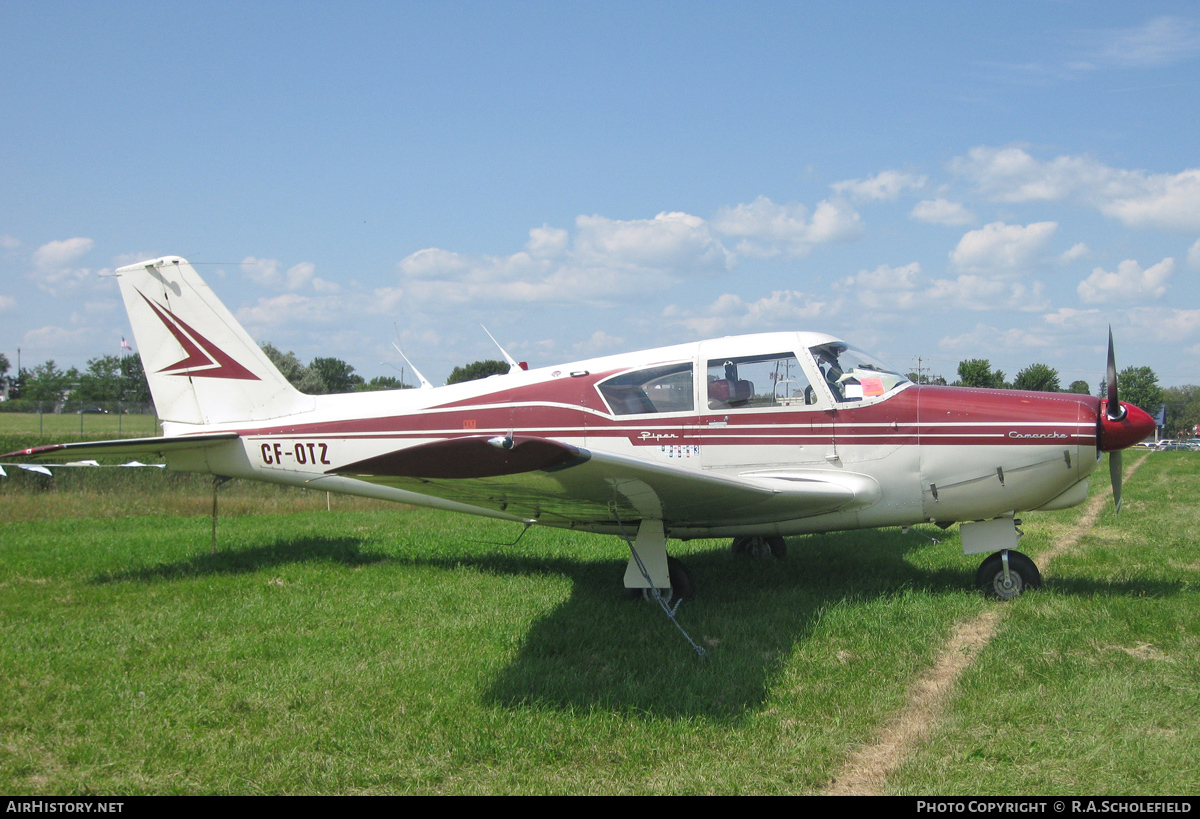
(866, 771)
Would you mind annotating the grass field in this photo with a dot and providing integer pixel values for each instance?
(380, 649)
(84, 426)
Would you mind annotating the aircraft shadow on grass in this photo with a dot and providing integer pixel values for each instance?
(345, 550)
(598, 650)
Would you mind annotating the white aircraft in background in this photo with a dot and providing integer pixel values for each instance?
(754, 437)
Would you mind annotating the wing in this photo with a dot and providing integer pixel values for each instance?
(552, 482)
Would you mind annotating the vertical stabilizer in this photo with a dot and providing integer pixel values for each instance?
(202, 366)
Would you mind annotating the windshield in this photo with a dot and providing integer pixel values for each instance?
(853, 375)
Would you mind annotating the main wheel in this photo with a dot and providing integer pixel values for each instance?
(760, 546)
(682, 586)
(1022, 575)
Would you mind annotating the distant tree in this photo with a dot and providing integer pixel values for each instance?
(383, 382)
(4, 365)
(926, 378)
(977, 372)
(336, 375)
(477, 369)
(1079, 388)
(47, 383)
(101, 382)
(1037, 377)
(1139, 386)
(299, 376)
(135, 389)
(1183, 409)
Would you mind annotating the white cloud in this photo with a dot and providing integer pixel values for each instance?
(7, 303)
(886, 287)
(299, 275)
(122, 259)
(885, 186)
(670, 241)
(1002, 249)
(1077, 251)
(1069, 316)
(1166, 324)
(54, 256)
(970, 292)
(547, 241)
(987, 341)
(1193, 257)
(787, 228)
(262, 271)
(50, 340)
(288, 309)
(54, 269)
(266, 272)
(1129, 282)
(1136, 198)
(8, 242)
(942, 212)
(782, 309)
(608, 259)
(1161, 41)
(599, 343)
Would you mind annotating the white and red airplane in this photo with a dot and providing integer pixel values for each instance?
(754, 437)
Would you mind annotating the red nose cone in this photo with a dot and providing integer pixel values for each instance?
(1134, 427)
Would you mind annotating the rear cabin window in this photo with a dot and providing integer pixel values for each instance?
(656, 389)
(755, 382)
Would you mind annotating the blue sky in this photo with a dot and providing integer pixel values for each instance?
(934, 180)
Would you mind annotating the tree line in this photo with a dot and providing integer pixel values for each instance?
(109, 381)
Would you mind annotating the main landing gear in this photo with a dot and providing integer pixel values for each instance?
(682, 587)
(650, 567)
(1007, 574)
(756, 546)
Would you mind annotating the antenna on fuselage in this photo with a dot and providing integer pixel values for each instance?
(425, 385)
(513, 366)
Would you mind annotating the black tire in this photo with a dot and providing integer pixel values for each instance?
(1023, 575)
(682, 586)
(757, 546)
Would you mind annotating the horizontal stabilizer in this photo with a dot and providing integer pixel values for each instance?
(125, 446)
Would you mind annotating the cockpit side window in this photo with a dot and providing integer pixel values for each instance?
(853, 375)
(752, 382)
(666, 388)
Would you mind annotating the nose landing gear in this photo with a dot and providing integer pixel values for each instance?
(1007, 574)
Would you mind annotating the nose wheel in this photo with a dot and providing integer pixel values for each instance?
(1007, 575)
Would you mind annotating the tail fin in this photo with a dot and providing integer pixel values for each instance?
(203, 368)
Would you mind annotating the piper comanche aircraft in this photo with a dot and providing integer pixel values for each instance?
(754, 437)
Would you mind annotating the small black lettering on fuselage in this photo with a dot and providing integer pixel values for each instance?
(286, 453)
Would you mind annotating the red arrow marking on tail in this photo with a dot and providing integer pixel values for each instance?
(204, 359)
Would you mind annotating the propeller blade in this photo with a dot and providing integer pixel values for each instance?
(1114, 472)
(1115, 411)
